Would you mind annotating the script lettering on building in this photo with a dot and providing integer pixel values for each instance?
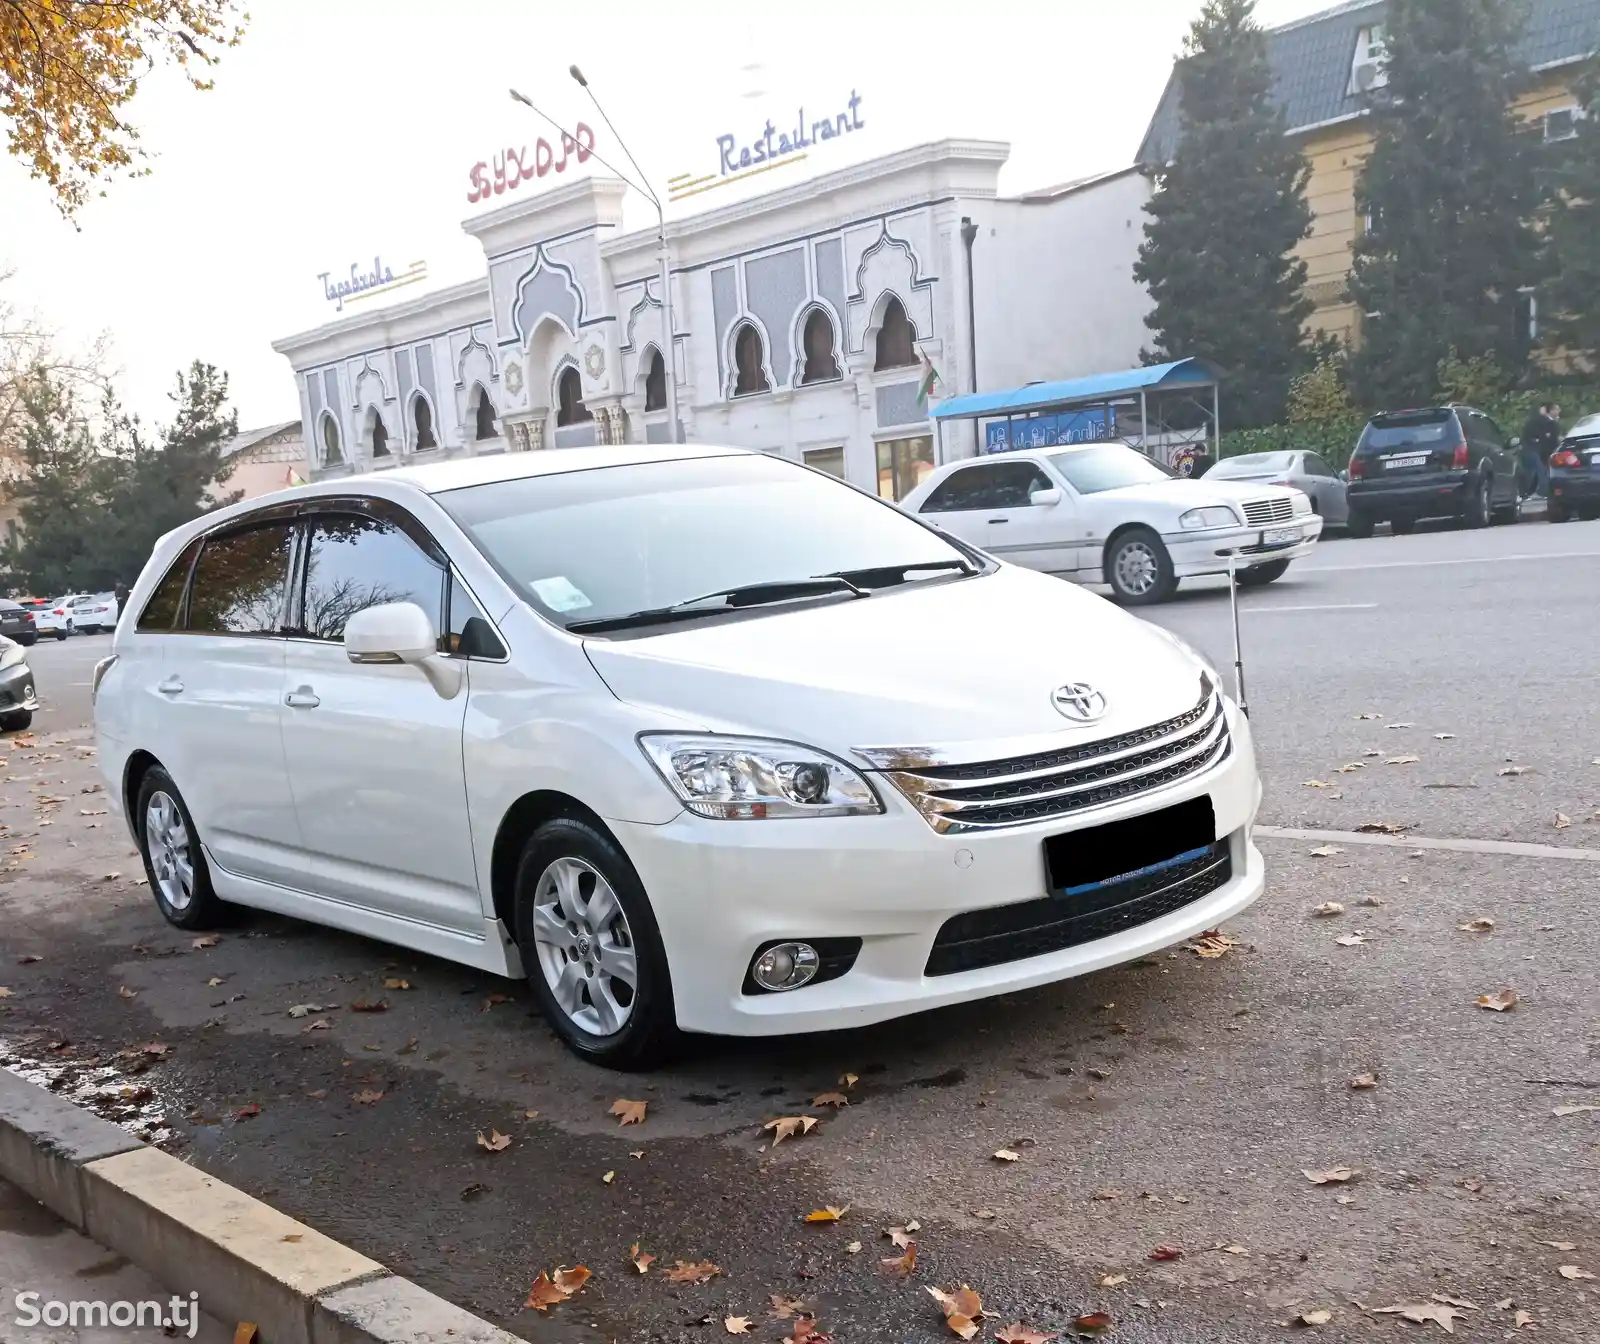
(771, 147)
(360, 283)
(512, 167)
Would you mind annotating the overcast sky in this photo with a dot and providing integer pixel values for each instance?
(341, 129)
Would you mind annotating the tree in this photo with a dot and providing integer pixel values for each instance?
(1320, 394)
(1227, 213)
(1570, 307)
(1450, 193)
(28, 347)
(54, 493)
(67, 70)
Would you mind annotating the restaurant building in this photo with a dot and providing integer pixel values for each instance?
(809, 321)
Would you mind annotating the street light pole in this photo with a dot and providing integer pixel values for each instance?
(642, 185)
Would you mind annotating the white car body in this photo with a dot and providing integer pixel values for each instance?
(55, 617)
(93, 613)
(1071, 533)
(356, 795)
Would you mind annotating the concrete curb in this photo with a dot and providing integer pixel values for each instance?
(189, 1230)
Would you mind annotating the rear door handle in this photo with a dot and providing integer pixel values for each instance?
(302, 697)
(171, 686)
(999, 520)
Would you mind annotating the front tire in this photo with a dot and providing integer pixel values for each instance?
(1139, 569)
(174, 860)
(592, 948)
(1260, 575)
(18, 721)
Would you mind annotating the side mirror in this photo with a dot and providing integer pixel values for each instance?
(1344, 475)
(1516, 441)
(401, 632)
(1044, 498)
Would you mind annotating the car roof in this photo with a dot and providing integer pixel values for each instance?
(436, 477)
(1585, 425)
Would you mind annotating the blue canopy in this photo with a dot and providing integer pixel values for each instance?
(1100, 387)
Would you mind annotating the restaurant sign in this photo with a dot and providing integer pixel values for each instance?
(510, 168)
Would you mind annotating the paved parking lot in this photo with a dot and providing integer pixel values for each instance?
(1174, 1103)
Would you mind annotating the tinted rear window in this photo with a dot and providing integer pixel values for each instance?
(161, 611)
(1424, 430)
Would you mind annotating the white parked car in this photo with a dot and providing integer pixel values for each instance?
(694, 738)
(92, 613)
(1102, 513)
(55, 617)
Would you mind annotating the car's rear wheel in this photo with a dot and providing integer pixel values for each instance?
(1402, 527)
(19, 720)
(27, 641)
(1359, 525)
(174, 860)
(1139, 569)
(1259, 575)
(61, 634)
(1557, 513)
(1479, 507)
(591, 947)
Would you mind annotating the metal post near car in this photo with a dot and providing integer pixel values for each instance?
(1238, 656)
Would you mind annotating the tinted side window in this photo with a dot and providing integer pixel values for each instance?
(1492, 432)
(969, 488)
(161, 611)
(1315, 466)
(354, 562)
(1014, 482)
(471, 635)
(240, 580)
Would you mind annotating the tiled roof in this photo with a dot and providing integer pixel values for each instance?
(1311, 61)
(250, 438)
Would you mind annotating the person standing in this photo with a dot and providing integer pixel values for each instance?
(1533, 430)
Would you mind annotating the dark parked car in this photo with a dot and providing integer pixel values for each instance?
(17, 698)
(16, 622)
(1575, 473)
(1436, 462)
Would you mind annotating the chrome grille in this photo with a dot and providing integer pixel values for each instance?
(1262, 512)
(1022, 789)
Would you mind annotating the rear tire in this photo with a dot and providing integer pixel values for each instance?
(1402, 527)
(1259, 576)
(60, 635)
(1557, 513)
(16, 722)
(1358, 525)
(174, 859)
(1478, 508)
(584, 925)
(27, 641)
(1139, 569)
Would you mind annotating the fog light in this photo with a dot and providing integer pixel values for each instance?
(785, 966)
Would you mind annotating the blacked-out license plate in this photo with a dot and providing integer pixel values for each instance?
(1082, 861)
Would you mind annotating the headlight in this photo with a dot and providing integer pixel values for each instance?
(1216, 516)
(1302, 503)
(12, 656)
(752, 779)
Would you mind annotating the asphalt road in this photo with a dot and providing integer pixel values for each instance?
(1177, 1102)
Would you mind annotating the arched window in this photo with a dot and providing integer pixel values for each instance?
(422, 417)
(655, 383)
(380, 436)
(483, 415)
(332, 454)
(895, 338)
(570, 409)
(748, 359)
(817, 341)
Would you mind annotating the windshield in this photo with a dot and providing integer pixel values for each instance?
(587, 546)
(1107, 466)
(1250, 464)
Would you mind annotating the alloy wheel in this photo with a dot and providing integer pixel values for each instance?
(585, 947)
(1137, 568)
(166, 838)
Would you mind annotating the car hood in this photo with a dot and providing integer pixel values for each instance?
(972, 661)
(1182, 495)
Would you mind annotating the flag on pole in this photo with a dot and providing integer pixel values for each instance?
(930, 380)
(294, 478)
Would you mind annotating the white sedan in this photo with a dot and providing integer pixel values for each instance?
(1102, 513)
(93, 613)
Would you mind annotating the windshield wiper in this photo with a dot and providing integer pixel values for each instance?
(887, 574)
(734, 599)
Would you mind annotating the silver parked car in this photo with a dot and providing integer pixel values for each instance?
(1303, 470)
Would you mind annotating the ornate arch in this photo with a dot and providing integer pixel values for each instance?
(730, 345)
(835, 322)
(486, 355)
(413, 435)
(547, 289)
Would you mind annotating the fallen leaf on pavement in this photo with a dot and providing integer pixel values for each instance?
(1005, 1155)
(783, 1307)
(1166, 1253)
(1318, 1316)
(642, 1260)
(292, 1237)
(736, 1325)
(397, 984)
(1332, 1176)
(684, 1271)
(1112, 1280)
(1018, 1333)
(1483, 924)
(834, 1099)
(827, 1214)
(1363, 1082)
(1562, 821)
(1326, 851)
(321, 1024)
(1523, 1318)
(1314, 784)
(1328, 908)
(1213, 943)
(985, 1214)
(1422, 1312)
(27, 959)
(1351, 939)
(848, 1080)
(901, 1236)
(1443, 737)
(489, 1003)
(628, 1112)
(1456, 1302)
(306, 1009)
(1576, 1108)
(1369, 716)
(1091, 1323)
(1561, 1245)
(208, 940)
(1108, 1194)
(805, 1332)
(901, 1264)
(496, 1142)
(4, 992)
(1573, 1272)
(366, 1006)
(1515, 770)
(123, 992)
(548, 1290)
(609, 1177)
(1499, 1001)
(156, 1050)
(1403, 760)
(962, 1310)
(1382, 828)
(852, 1247)
(787, 1126)
(1399, 725)
(247, 1112)
(214, 981)
(367, 1097)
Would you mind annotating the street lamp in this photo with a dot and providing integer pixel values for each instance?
(643, 185)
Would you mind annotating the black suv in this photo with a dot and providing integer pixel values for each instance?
(1437, 462)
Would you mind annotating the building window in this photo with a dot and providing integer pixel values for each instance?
(1561, 124)
(422, 418)
(1366, 69)
(655, 383)
(332, 454)
(902, 465)
(830, 460)
(896, 338)
(483, 415)
(380, 436)
(817, 341)
(749, 362)
(570, 409)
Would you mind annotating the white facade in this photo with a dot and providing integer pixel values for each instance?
(570, 303)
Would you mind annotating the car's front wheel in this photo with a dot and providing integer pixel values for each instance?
(591, 947)
(1258, 575)
(174, 861)
(1139, 569)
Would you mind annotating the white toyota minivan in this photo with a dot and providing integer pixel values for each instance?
(696, 739)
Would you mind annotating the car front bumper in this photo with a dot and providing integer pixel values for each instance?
(722, 889)
(1195, 553)
(17, 689)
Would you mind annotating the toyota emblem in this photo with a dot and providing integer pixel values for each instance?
(1078, 701)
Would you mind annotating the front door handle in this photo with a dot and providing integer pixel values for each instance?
(999, 520)
(302, 697)
(171, 686)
